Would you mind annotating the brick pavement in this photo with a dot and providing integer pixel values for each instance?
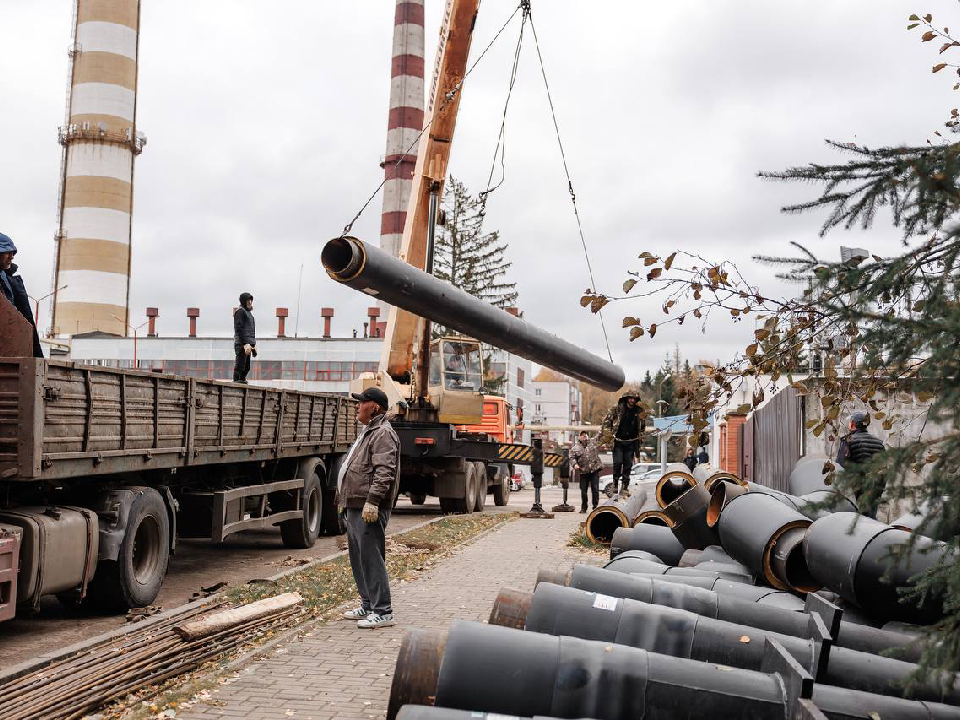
(340, 672)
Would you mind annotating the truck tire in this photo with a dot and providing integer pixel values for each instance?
(501, 491)
(302, 532)
(464, 505)
(481, 481)
(134, 578)
(417, 499)
(330, 523)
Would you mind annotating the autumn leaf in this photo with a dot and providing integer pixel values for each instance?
(697, 313)
(653, 330)
(654, 274)
(743, 409)
(669, 261)
(635, 333)
(628, 285)
(585, 300)
(928, 36)
(827, 467)
(630, 321)
(938, 67)
(752, 349)
(650, 261)
(598, 302)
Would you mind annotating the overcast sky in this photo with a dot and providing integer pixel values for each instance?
(265, 127)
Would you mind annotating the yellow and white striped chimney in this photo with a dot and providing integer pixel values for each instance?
(100, 140)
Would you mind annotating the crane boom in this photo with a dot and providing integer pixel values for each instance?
(450, 66)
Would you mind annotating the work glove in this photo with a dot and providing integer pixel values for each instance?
(370, 513)
(247, 349)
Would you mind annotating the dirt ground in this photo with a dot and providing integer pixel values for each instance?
(196, 564)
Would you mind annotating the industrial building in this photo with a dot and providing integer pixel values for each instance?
(557, 403)
(91, 285)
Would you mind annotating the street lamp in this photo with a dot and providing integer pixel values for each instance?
(661, 403)
(36, 307)
(135, 329)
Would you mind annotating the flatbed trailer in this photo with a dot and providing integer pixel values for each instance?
(103, 469)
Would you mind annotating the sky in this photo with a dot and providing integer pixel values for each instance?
(265, 132)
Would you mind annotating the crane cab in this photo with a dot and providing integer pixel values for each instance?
(455, 380)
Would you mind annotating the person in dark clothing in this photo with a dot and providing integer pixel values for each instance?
(622, 428)
(690, 460)
(13, 289)
(702, 457)
(244, 337)
(586, 459)
(858, 447)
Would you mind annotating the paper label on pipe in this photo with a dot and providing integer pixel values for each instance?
(605, 602)
(371, 291)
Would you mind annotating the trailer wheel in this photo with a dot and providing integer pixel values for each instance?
(417, 499)
(302, 532)
(331, 522)
(480, 478)
(465, 504)
(501, 491)
(134, 578)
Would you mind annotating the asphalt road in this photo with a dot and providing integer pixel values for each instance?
(196, 564)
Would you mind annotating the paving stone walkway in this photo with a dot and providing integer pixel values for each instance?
(340, 672)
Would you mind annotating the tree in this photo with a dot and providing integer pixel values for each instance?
(888, 327)
(466, 256)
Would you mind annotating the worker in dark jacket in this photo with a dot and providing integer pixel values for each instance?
(13, 289)
(366, 489)
(622, 428)
(586, 459)
(244, 337)
(858, 447)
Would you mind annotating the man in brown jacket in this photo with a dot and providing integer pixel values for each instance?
(366, 488)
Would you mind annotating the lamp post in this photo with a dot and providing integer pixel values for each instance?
(135, 329)
(36, 307)
(660, 402)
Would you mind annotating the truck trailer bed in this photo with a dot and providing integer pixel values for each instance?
(61, 420)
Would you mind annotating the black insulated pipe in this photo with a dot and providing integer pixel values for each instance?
(558, 610)
(427, 712)
(647, 536)
(734, 588)
(729, 608)
(611, 515)
(637, 561)
(674, 482)
(687, 515)
(766, 536)
(853, 556)
(813, 505)
(369, 269)
(708, 476)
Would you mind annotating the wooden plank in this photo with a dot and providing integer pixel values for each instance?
(156, 413)
(88, 383)
(219, 621)
(123, 412)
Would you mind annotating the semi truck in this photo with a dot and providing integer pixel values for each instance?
(103, 470)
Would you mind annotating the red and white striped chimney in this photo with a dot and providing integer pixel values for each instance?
(406, 120)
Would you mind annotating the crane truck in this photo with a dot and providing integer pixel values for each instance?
(435, 385)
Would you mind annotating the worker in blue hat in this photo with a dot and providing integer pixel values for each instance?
(11, 285)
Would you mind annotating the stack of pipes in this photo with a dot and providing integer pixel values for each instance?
(721, 599)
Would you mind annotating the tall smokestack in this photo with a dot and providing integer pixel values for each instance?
(100, 141)
(405, 122)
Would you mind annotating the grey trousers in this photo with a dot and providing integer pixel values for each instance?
(366, 545)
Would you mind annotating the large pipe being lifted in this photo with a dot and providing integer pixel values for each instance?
(369, 269)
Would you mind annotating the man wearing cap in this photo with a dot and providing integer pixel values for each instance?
(366, 488)
(244, 337)
(12, 287)
(857, 447)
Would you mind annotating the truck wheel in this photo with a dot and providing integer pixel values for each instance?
(450, 506)
(134, 578)
(302, 532)
(330, 521)
(417, 499)
(481, 483)
(501, 491)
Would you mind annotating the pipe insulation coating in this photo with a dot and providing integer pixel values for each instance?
(745, 611)
(611, 515)
(484, 668)
(854, 556)
(638, 561)
(558, 610)
(687, 517)
(652, 538)
(369, 269)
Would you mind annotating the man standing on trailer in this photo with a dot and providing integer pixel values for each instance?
(244, 337)
(366, 488)
(13, 289)
(622, 429)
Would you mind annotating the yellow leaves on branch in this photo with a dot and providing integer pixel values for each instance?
(630, 321)
(628, 285)
(654, 274)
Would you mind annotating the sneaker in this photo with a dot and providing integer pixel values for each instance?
(357, 614)
(373, 620)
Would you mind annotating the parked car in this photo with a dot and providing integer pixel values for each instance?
(640, 473)
(518, 479)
